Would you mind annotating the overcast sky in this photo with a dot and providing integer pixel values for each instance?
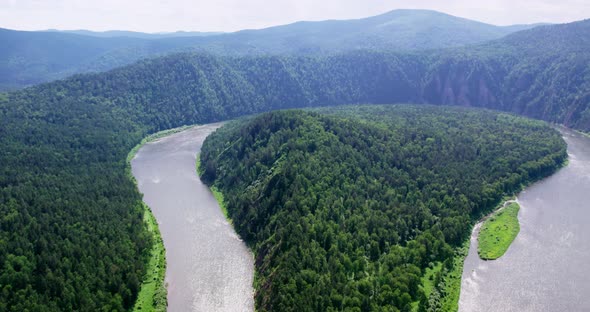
(230, 15)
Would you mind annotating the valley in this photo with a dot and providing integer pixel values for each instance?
(353, 157)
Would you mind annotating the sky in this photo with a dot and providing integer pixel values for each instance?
(232, 15)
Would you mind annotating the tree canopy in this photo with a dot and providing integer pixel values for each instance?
(346, 209)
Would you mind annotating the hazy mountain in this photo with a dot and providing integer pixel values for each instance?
(33, 57)
(395, 30)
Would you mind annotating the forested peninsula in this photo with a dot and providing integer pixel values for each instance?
(347, 209)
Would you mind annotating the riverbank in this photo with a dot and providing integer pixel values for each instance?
(441, 283)
(219, 197)
(214, 190)
(550, 214)
(498, 232)
(153, 294)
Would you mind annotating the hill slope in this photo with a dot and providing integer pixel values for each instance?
(347, 213)
(34, 57)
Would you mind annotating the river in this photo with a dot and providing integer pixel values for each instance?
(547, 266)
(208, 267)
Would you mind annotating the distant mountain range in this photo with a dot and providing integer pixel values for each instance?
(28, 58)
(398, 30)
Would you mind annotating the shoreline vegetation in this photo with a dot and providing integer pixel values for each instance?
(498, 231)
(153, 293)
(220, 200)
(583, 133)
(214, 190)
(510, 222)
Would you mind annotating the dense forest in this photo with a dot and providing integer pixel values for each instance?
(541, 73)
(345, 211)
(72, 235)
(28, 58)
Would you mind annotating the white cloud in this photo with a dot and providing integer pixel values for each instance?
(228, 15)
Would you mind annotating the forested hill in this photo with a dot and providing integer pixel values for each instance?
(29, 58)
(346, 213)
(542, 73)
(571, 37)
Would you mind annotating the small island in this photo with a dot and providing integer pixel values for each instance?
(498, 232)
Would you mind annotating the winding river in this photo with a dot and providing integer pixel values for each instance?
(547, 266)
(208, 267)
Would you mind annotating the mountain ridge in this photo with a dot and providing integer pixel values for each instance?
(528, 73)
(35, 57)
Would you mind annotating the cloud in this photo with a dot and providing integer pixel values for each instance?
(229, 15)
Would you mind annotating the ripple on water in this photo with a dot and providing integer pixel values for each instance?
(208, 267)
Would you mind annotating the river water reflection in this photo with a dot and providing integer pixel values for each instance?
(547, 266)
(208, 267)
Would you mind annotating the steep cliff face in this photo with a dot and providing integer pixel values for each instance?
(552, 86)
(464, 82)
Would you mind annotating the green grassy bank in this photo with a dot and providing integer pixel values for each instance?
(498, 232)
(216, 192)
(152, 295)
(441, 283)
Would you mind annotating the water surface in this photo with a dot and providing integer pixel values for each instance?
(208, 267)
(547, 266)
